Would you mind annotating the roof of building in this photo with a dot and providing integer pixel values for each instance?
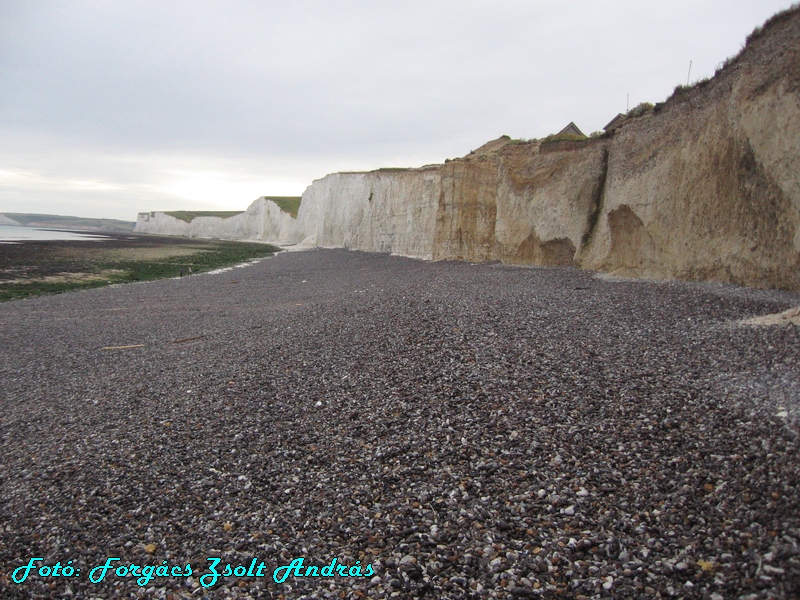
(615, 122)
(571, 129)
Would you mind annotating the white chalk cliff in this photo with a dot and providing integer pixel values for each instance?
(262, 221)
(704, 186)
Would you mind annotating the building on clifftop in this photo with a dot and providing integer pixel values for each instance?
(571, 129)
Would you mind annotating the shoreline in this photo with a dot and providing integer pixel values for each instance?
(35, 267)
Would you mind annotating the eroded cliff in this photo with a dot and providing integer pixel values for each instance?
(708, 187)
(705, 186)
(521, 203)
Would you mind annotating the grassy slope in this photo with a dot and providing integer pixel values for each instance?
(189, 215)
(288, 204)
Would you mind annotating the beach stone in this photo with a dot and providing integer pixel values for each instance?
(646, 392)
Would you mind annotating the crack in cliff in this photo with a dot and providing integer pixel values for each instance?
(598, 202)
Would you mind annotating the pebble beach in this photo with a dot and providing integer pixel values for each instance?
(453, 430)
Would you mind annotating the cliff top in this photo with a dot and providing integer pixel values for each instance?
(190, 215)
(753, 42)
(288, 204)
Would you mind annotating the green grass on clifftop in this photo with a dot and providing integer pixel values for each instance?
(190, 215)
(288, 204)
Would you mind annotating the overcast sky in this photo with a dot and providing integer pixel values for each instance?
(112, 108)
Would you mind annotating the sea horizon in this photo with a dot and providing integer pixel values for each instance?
(10, 234)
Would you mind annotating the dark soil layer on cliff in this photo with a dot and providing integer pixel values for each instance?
(469, 431)
(47, 267)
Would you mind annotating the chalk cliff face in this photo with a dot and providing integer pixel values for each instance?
(380, 211)
(159, 223)
(263, 221)
(706, 186)
(522, 203)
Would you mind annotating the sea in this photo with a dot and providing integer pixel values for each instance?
(12, 234)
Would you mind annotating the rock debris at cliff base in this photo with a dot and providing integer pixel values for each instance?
(472, 431)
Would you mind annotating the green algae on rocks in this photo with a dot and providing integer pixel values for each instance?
(49, 267)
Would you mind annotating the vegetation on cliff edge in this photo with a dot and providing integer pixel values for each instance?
(190, 215)
(288, 204)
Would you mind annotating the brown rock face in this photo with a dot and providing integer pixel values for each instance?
(706, 187)
(709, 186)
(467, 212)
(522, 203)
